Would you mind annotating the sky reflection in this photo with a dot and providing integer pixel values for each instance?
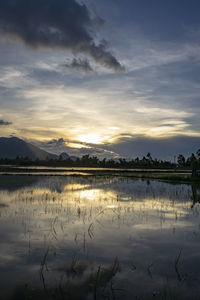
(145, 224)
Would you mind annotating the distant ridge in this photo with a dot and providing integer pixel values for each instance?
(12, 147)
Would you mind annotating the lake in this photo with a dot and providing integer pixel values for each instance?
(98, 237)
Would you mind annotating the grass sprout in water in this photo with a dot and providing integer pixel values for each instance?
(93, 284)
(98, 238)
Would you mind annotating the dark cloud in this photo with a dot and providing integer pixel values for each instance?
(4, 123)
(79, 65)
(64, 24)
(56, 142)
(162, 148)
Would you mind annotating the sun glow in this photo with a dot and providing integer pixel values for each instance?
(77, 145)
(92, 138)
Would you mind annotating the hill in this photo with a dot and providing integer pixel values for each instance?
(13, 147)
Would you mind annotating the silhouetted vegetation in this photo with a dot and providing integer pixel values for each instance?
(191, 163)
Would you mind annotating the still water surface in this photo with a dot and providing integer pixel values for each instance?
(90, 237)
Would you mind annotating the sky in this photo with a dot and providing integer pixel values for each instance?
(109, 78)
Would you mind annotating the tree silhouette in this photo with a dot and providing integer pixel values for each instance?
(181, 160)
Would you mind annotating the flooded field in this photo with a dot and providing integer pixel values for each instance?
(96, 237)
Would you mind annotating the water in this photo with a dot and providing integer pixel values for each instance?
(88, 237)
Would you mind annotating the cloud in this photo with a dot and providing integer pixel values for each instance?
(163, 148)
(127, 146)
(5, 123)
(56, 142)
(61, 24)
(79, 65)
(74, 148)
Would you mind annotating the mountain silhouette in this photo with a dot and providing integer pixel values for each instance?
(13, 147)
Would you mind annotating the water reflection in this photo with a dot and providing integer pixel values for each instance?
(195, 194)
(98, 238)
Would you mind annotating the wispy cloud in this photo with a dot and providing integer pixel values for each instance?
(61, 145)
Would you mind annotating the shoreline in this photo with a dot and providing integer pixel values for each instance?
(171, 175)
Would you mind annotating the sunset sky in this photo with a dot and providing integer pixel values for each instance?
(105, 77)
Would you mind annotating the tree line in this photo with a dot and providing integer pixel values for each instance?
(192, 161)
